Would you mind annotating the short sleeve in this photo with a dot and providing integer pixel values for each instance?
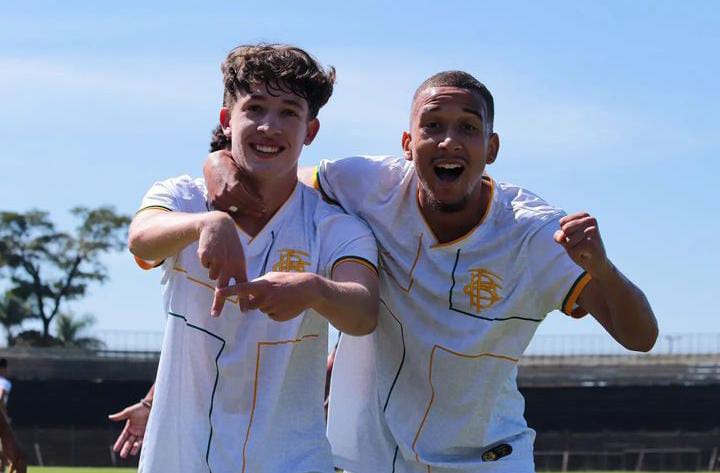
(179, 194)
(346, 238)
(558, 281)
(354, 183)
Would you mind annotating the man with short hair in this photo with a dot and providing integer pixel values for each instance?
(469, 268)
(243, 392)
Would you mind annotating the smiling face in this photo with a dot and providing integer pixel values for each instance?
(267, 132)
(450, 143)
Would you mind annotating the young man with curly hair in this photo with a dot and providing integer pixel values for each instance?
(241, 389)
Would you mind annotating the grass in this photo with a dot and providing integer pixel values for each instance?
(73, 469)
(37, 469)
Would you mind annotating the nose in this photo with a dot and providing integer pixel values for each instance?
(450, 142)
(270, 125)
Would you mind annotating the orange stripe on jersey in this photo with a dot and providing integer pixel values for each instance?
(260, 345)
(316, 179)
(147, 265)
(432, 387)
(574, 293)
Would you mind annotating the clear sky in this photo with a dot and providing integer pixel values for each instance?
(611, 107)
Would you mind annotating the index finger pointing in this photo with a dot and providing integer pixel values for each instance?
(219, 299)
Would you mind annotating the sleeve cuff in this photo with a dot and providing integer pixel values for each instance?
(154, 207)
(572, 296)
(354, 259)
(318, 186)
(147, 265)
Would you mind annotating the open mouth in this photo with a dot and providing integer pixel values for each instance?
(266, 149)
(448, 172)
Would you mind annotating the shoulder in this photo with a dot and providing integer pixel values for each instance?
(184, 185)
(328, 217)
(182, 193)
(356, 183)
(360, 168)
(522, 207)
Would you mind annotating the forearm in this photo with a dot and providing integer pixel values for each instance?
(350, 307)
(155, 235)
(631, 319)
(151, 393)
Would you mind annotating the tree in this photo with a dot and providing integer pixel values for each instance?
(13, 312)
(68, 330)
(48, 267)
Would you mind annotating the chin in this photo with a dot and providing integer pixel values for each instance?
(445, 206)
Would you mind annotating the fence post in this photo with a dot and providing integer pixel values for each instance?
(38, 454)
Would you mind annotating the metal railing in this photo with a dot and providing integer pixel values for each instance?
(672, 344)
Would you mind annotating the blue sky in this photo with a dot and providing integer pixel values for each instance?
(610, 107)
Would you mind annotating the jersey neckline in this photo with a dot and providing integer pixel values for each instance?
(474, 230)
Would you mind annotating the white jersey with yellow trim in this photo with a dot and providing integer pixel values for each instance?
(434, 387)
(241, 392)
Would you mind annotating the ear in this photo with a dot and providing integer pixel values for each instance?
(313, 127)
(493, 148)
(406, 141)
(225, 121)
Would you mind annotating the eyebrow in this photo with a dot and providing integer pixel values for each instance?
(292, 102)
(471, 111)
(261, 97)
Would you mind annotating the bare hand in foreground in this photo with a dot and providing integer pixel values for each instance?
(220, 250)
(282, 296)
(130, 439)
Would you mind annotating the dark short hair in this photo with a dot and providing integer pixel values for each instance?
(3, 363)
(219, 140)
(462, 80)
(281, 68)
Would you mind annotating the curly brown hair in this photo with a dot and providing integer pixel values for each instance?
(281, 68)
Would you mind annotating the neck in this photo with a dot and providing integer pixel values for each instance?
(272, 195)
(450, 226)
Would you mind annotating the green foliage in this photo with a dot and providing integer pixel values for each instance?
(69, 329)
(13, 312)
(47, 267)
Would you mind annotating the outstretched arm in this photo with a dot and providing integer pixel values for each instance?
(618, 304)
(349, 300)
(135, 416)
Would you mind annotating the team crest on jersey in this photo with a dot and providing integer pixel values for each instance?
(291, 261)
(483, 289)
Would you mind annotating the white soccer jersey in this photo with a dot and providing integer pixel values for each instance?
(6, 386)
(241, 392)
(433, 388)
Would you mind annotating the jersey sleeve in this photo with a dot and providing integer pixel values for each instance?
(170, 195)
(346, 238)
(352, 183)
(558, 281)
